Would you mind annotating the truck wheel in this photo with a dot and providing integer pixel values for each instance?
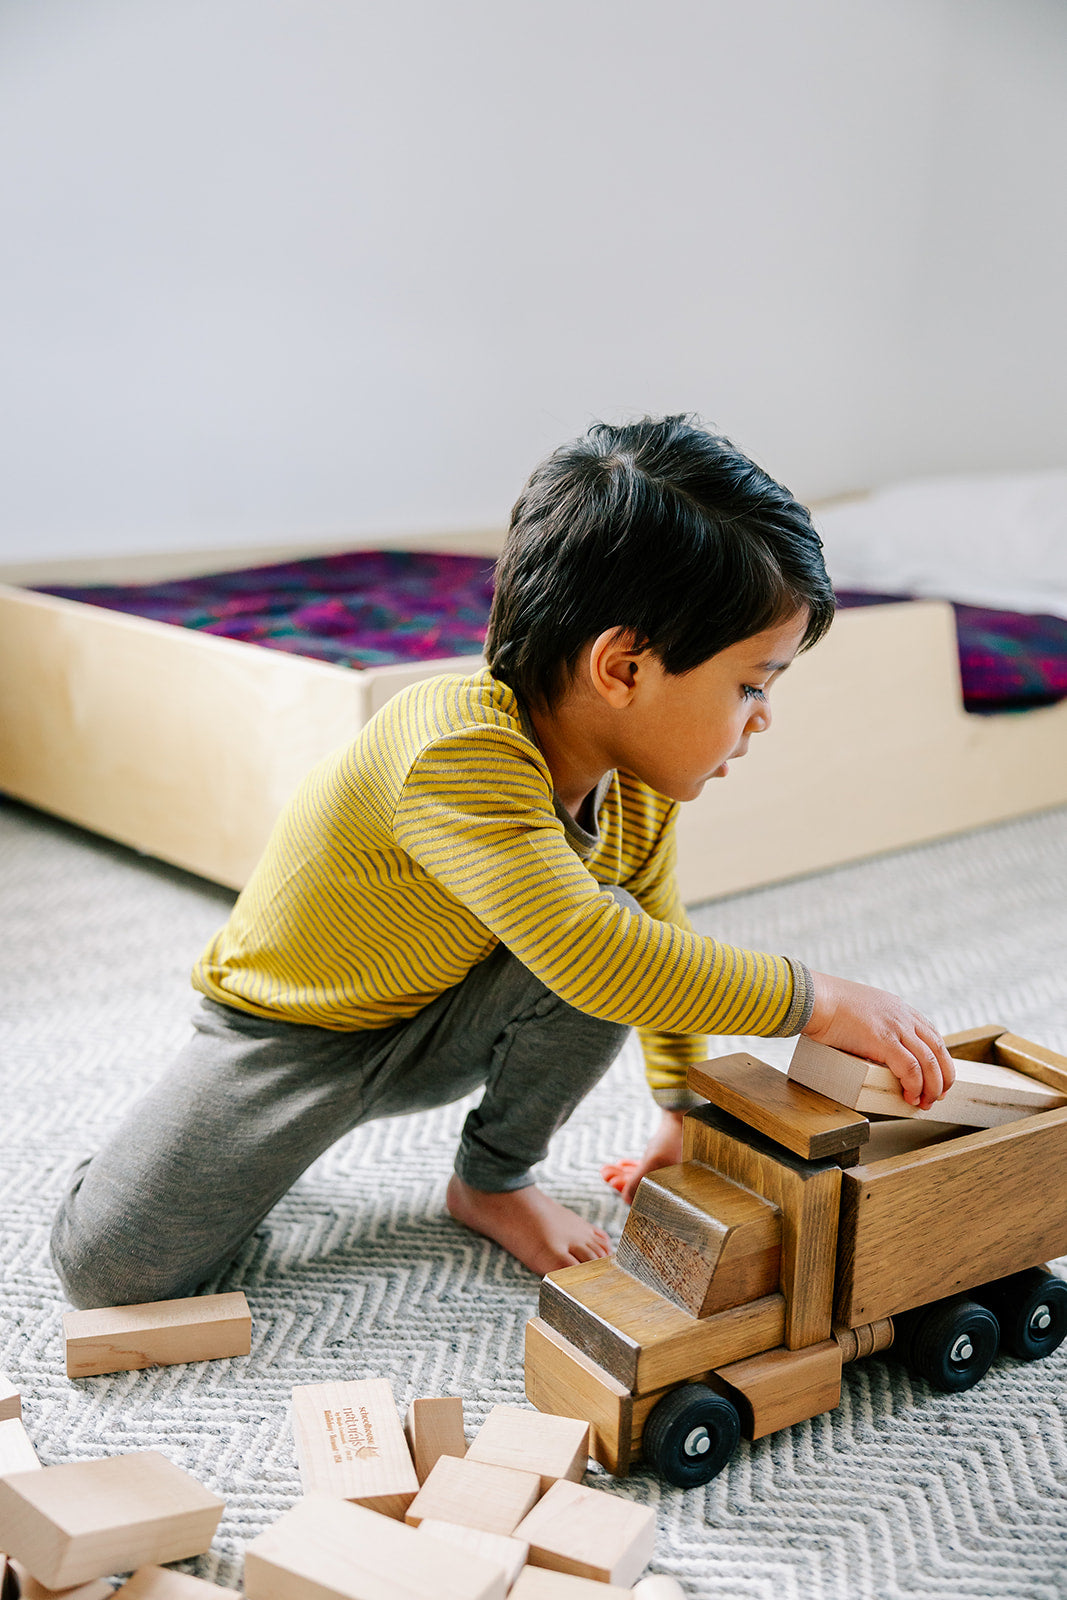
(1031, 1308)
(691, 1435)
(952, 1344)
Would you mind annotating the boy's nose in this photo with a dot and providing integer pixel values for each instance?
(760, 720)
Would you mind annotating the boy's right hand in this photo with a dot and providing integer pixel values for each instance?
(886, 1030)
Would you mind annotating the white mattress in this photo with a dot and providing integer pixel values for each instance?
(998, 541)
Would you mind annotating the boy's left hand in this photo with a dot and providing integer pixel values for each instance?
(664, 1149)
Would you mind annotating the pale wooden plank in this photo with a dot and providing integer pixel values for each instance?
(434, 1427)
(330, 1549)
(589, 1534)
(162, 1583)
(349, 1442)
(984, 1095)
(30, 1589)
(17, 1453)
(532, 1441)
(475, 1494)
(500, 1548)
(206, 1327)
(83, 1519)
(538, 1583)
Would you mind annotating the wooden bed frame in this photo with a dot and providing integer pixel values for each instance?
(185, 745)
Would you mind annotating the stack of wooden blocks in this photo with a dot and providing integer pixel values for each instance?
(389, 1512)
(1024, 1079)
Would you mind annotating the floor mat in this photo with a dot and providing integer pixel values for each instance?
(900, 1493)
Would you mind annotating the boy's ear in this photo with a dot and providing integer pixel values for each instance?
(614, 662)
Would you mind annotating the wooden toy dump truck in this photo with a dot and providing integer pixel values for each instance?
(750, 1274)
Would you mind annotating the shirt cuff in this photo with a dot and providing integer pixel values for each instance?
(678, 1099)
(799, 1013)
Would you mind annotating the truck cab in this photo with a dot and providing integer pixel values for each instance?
(795, 1236)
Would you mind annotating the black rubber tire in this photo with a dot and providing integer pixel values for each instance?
(691, 1435)
(952, 1344)
(1031, 1308)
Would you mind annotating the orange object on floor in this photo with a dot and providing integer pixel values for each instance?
(615, 1173)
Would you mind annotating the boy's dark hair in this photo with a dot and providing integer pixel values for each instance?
(657, 527)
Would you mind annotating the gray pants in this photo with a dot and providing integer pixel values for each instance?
(249, 1104)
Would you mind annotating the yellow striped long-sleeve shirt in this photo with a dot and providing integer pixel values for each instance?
(404, 858)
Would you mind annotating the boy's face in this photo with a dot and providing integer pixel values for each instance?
(679, 731)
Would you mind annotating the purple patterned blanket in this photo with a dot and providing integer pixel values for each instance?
(370, 608)
(1009, 660)
(364, 608)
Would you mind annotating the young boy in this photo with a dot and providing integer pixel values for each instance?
(480, 889)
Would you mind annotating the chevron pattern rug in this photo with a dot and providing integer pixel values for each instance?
(901, 1492)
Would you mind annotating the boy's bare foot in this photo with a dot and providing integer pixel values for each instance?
(535, 1229)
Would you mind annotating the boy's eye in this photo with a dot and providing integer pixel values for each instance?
(751, 692)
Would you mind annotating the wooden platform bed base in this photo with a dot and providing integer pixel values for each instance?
(186, 746)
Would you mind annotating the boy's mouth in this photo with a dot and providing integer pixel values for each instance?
(724, 770)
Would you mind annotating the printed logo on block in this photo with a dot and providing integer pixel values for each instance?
(351, 1435)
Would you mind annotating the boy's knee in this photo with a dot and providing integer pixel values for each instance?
(96, 1266)
(94, 1275)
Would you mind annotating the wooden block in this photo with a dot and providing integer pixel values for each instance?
(30, 1589)
(973, 1044)
(206, 1327)
(641, 1338)
(510, 1554)
(702, 1240)
(330, 1549)
(434, 1428)
(897, 1136)
(538, 1583)
(808, 1195)
(83, 1519)
(983, 1096)
(1032, 1059)
(10, 1399)
(552, 1446)
(999, 1207)
(561, 1379)
(162, 1583)
(590, 1534)
(830, 1072)
(764, 1098)
(349, 1443)
(784, 1386)
(16, 1448)
(475, 1494)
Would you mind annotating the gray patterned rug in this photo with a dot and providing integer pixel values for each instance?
(901, 1492)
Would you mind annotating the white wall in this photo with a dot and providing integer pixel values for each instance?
(285, 268)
